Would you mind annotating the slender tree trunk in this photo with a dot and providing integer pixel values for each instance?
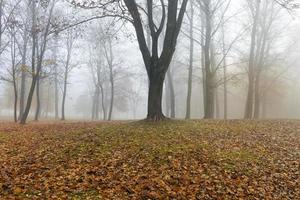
(209, 75)
(190, 71)
(250, 97)
(167, 98)
(203, 76)
(38, 100)
(257, 97)
(264, 106)
(56, 95)
(209, 97)
(172, 95)
(1, 15)
(15, 94)
(33, 70)
(203, 79)
(36, 72)
(23, 78)
(97, 110)
(225, 97)
(29, 100)
(14, 74)
(225, 90)
(112, 94)
(103, 101)
(217, 103)
(64, 95)
(93, 105)
(48, 101)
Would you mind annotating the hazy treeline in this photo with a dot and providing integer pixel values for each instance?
(64, 60)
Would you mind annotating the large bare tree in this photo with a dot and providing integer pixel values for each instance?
(157, 63)
(143, 18)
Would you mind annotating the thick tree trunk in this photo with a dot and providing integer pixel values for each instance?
(156, 82)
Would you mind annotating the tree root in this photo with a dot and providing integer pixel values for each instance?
(156, 118)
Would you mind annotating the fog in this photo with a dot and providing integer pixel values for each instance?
(97, 63)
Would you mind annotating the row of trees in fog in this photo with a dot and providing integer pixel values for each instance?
(211, 45)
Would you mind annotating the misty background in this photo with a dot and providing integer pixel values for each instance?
(109, 46)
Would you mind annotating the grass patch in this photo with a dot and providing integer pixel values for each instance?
(146, 160)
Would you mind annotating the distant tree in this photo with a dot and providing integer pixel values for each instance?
(68, 66)
(14, 69)
(191, 60)
(39, 34)
(212, 17)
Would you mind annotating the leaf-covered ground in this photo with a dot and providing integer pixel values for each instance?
(139, 160)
